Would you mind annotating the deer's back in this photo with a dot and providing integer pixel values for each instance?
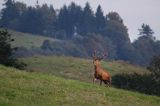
(105, 75)
(102, 74)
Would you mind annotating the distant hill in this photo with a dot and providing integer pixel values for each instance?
(19, 88)
(28, 40)
(30, 44)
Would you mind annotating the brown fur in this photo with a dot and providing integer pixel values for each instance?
(100, 73)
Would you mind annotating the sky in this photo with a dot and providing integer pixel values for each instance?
(133, 12)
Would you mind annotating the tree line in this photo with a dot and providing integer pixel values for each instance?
(82, 30)
(45, 20)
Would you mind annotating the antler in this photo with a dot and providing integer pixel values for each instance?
(103, 56)
(94, 54)
(99, 58)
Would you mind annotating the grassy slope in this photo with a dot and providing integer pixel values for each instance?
(37, 89)
(28, 40)
(75, 68)
(19, 88)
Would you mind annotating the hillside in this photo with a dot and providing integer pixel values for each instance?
(76, 68)
(28, 40)
(20, 88)
(81, 34)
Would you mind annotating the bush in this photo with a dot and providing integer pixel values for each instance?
(154, 67)
(141, 83)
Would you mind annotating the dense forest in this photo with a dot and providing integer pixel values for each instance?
(80, 31)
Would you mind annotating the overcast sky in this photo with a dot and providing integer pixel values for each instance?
(133, 12)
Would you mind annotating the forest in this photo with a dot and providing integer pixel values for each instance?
(79, 31)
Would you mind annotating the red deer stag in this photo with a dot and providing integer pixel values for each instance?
(100, 73)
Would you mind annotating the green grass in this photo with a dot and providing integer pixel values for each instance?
(20, 88)
(76, 68)
(28, 40)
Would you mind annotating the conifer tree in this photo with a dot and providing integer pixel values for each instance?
(9, 14)
(6, 51)
(100, 19)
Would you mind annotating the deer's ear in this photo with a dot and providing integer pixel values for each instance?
(103, 56)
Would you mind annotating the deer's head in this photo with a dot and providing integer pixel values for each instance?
(97, 59)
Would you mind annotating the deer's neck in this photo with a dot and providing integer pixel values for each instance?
(97, 68)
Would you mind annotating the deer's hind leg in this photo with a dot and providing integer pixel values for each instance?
(100, 82)
(107, 84)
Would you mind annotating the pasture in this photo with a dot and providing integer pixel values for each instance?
(76, 68)
(21, 88)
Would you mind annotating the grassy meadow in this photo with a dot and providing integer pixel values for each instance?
(21, 88)
(76, 68)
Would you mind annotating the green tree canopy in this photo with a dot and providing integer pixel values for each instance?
(146, 30)
(9, 15)
(88, 23)
(146, 45)
(100, 19)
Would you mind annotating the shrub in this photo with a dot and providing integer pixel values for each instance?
(136, 82)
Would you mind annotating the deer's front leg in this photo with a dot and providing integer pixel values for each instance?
(94, 79)
(100, 82)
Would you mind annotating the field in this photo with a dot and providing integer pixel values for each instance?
(21, 88)
(76, 68)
